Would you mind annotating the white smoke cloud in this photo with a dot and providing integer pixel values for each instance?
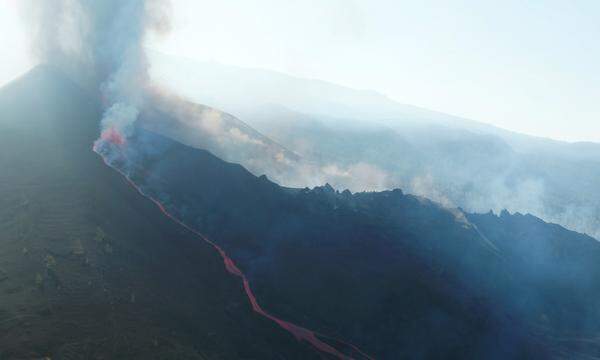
(424, 185)
(240, 136)
(121, 117)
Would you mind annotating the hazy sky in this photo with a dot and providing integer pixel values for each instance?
(14, 47)
(528, 66)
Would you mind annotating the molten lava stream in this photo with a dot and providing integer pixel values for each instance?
(113, 136)
(299, 332)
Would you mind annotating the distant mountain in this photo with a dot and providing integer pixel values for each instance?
(397, 275)
(237, 90)
(91, 269)
(365, 141)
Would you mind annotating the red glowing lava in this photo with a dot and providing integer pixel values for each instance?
(112, 135)
(300, 333)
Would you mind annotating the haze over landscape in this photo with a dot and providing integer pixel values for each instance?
(528, 67)
(211, 180)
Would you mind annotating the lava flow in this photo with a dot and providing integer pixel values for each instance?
(298, 332)
(112, 136)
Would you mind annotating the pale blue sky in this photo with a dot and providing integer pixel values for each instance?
(528, 66)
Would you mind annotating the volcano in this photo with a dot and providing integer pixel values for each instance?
(172, 252)
(89, 268)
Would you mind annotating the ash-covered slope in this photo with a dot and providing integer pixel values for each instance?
(91, 269)
(397, 275)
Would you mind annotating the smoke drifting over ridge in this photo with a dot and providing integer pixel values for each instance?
(100, 45)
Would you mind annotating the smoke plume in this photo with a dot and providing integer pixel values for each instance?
(100, 45)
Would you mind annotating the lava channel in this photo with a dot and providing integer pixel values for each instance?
(300, 333)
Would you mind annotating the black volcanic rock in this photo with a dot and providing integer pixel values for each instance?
(559, 268)
(93, 270)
